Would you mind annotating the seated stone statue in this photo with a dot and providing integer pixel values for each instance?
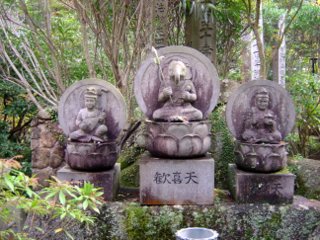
(177, 94)
(90, 120)
(260, 125)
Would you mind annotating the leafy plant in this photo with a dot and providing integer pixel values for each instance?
(136, 222)
(305, 91)
(16, 114)
(223, 146)
(60, 205)
(146, 224)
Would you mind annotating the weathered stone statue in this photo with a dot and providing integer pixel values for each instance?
(90, 120)
(177, 88)
(260, 124)
(260, 114)
(177, 94)
(92, 114)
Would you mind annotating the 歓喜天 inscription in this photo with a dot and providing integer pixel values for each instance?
(176, 177)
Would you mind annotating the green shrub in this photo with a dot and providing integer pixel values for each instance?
(59, 201)
(305, 91)
(136, 222)
(16, 114)
(222, 146)
(164, 223)
(146, 223)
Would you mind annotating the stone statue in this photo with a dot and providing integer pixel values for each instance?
(90, 120)
(260, 114)
(177, 94)
(260, 124)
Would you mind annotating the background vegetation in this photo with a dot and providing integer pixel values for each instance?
(46, 45)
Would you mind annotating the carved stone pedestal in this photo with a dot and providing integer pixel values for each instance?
(261, 157)
(176, 181)
(91, 156)
(178, 139)
(250, 187)
(107, 180)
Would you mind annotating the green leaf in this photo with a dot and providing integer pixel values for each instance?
(50, 195)
(99, 194)
(29, 192)
(62, 198)
(9, 183)
(69, 235)
(85, 204)
(63, 215)
(95, 209)
(39, 229)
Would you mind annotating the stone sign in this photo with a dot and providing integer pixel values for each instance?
(248, 187)
(173, 181)
(107, 180)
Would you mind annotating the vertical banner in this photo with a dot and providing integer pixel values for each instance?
(161, 17)
(254, 51)
(281, 68)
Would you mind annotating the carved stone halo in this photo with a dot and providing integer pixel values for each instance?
(200, 70)
(241, 102)
(110, 101)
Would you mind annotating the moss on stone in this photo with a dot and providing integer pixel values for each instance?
(222, 146)
(303, 175)
(283, 171)
(130, 176)
(128, 160)
(129, 156)
(131, 221)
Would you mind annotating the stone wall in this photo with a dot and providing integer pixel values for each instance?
(130, 221)
(308, 178)
(47, 148)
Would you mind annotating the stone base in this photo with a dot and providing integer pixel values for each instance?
(176, 181)
(250, 187)
(107, 180)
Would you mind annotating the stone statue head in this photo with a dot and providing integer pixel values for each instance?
(177, 70)
(90, 97)
(262, 99)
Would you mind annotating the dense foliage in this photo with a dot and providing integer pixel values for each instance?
(305, 90)
(58, 201)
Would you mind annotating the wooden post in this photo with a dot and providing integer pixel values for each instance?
(201, 29)
(161, 17)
